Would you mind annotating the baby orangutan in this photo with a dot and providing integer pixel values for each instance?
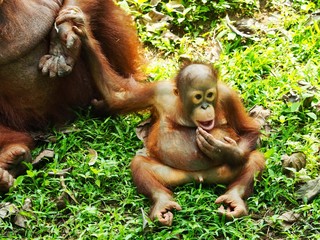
(199, 132)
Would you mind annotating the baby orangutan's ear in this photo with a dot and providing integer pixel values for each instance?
(176, 92)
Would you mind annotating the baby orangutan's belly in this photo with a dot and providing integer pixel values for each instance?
(179, 152)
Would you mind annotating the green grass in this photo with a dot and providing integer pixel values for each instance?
(105, 202)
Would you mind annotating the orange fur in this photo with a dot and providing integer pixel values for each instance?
(173, 155)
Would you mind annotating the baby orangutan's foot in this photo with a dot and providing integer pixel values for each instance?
(232, 206)
(161, 210)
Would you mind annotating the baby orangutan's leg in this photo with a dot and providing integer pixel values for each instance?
(152, 179)
(232, 201)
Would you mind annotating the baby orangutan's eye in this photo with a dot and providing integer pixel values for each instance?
(210, 96)
(198, 96)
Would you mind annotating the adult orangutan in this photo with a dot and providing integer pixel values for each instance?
(200, 132)
(43, 75)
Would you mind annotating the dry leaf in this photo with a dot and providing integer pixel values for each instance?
(156, 27)
(44, 154)
(66, 196)
(169, 35)
(175, 6)
(7, 210)
(260, 114)
(236, 31)
(145, 219)
(62, 200)
(309, 190)
(59, 173)
(305, 84)
(313, 18)
(155, 16)
(156, 21)
(289, 217)
(93, 156)
(214, 50)
(293, 163)
(154, 2)
(44, 137)
(27, 204)
(20, 220)
(247, 25)
(291, 96)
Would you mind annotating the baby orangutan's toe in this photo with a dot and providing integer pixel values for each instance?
(162, 212)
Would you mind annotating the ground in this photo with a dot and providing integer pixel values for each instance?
(271, 58)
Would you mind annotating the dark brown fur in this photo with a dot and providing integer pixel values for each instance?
(30, 100)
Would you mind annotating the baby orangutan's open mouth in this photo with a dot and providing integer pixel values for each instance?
(206, 125)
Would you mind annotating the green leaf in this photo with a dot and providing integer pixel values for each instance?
(31, 173)
(295, 106)
(94, 170)
(98, 182)
(312, 115)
